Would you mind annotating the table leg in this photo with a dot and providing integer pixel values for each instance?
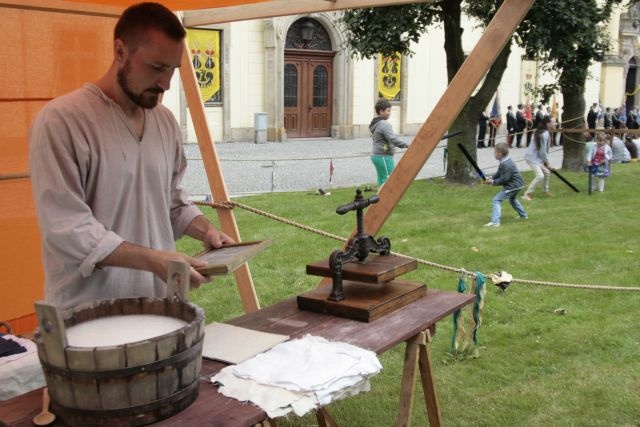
(408, 384)
(428, 383)
(325, 419)
(417, 356)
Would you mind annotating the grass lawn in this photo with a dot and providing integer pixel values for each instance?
(536, 367)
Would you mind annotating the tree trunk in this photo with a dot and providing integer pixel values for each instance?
(459, 170)
(573, 118)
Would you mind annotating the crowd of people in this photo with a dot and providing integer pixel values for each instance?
(601, 149)
(624, 145)
(521, 124)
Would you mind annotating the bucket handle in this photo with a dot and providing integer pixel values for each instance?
(52, 332)
(178, 280)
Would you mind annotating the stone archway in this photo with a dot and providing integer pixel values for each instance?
(275, 32)
(308, 80)
(631, 85)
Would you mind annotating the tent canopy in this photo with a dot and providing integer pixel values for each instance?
(54, 46)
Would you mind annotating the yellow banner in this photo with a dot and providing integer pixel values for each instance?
(528, 78)
(389, 68)
(205, 55)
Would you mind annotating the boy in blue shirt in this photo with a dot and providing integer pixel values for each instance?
(509, 177)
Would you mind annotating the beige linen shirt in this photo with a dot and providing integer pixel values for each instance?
(96, 185)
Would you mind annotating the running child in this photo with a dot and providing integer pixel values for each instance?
(509, 177)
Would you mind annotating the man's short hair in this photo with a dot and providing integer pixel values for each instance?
(141, 17)
(502, 148)
(519, 106)
(382, 105)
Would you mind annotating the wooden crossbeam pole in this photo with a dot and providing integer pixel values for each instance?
(494, 38)
(214, 175)
(269, 9)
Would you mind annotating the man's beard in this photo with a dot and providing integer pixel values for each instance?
(148, 98)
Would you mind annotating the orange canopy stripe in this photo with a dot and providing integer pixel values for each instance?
(121, 4)
(178, 4)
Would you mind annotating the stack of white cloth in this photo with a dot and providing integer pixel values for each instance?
(21, 372)
(299, 375)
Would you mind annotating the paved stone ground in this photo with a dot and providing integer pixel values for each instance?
(303, 165)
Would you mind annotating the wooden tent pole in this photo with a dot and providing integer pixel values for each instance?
(273, 8)
(214, 174)
(496, 35)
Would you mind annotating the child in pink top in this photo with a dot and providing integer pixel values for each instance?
(599, 157)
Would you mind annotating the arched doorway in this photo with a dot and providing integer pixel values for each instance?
(308, 80)
(630, 85)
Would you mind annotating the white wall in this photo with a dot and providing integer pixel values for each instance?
(246, 62)
(427, 76)
(171, 98)
(364, 96)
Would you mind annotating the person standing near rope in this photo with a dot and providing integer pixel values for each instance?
(106, 163)
(384, 141)
(537, 159)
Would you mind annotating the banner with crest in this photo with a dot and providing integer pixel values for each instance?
(528, 78)
(389, 72)
(205, 55)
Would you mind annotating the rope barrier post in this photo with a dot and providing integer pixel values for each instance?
(273, 172)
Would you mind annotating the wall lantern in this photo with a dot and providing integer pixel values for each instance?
(307, 28)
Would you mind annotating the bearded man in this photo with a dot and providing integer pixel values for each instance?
(106, 162)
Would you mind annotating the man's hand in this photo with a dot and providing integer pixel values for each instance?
(215, 238)
(161, 267)
(129, 255)
(200, 228)
(488, 180)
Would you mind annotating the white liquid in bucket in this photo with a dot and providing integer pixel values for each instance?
(117, 330)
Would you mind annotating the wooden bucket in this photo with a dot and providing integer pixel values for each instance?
(130, 384)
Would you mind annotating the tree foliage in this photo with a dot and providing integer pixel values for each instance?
(387, 30)
(566, 37)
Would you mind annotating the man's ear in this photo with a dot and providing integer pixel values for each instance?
(119, 50)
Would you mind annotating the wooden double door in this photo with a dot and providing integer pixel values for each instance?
(308, 81)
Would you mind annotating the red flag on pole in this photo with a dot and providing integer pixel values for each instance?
(330, 169)
(528, 114)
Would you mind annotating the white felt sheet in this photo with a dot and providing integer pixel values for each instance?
(233, 344)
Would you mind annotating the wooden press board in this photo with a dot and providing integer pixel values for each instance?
(365, 302)
(229, 257)
(369, 288)
(374, 269)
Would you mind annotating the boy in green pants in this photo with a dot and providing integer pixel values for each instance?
(384, 141)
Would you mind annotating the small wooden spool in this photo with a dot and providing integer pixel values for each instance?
(125, 385)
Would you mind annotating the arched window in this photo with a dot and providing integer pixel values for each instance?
(307, 33)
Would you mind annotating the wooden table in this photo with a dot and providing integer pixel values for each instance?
(410, 324)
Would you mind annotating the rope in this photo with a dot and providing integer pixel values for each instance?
(232, 204)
